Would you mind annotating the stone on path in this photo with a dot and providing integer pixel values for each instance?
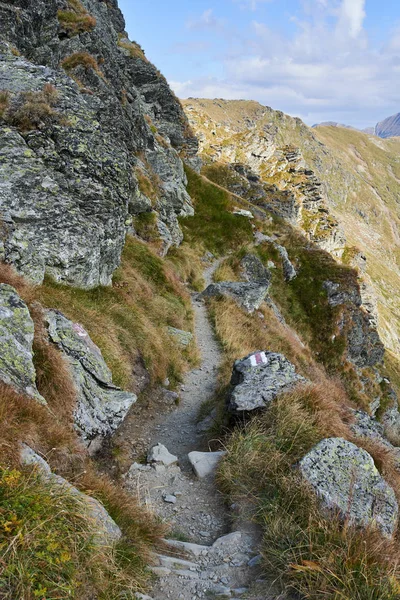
(160, 455)
(258, 378)
(205, 463)
(347, 481)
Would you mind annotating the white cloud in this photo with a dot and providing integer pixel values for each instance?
(207, 20)
(351, 16)
(252, 4)
(326, 70)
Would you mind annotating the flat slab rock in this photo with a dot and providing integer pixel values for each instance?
(16, 339)
(258, 378)
(106, 530)
(101, 405)
(249, 295)
(205, 463)
(346, 480)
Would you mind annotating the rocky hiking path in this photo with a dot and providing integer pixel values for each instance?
(214, 562)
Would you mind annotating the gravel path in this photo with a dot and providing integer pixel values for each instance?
(222, 563)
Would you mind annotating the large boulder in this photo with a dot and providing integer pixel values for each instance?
(16, 336)
(105, 529)
(346, 480)
(249, 295)
(258, 378)
(101, 406)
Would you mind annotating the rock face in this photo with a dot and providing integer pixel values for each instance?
(16, 335)
(83, 137)
(346, 480)
(248, 295)
(365, 347)
(258, 378)
(106, 530)
(101, 406)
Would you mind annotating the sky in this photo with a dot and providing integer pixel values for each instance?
(320, 60)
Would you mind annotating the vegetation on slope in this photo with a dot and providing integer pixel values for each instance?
(127, 320)
(318, 558)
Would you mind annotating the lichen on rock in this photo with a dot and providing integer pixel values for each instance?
(101, 406)
(348, 483)
(16, 335)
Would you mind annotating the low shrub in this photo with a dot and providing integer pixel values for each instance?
(30, 110)
(80, 59)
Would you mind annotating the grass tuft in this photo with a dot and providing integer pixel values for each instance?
(75, 19)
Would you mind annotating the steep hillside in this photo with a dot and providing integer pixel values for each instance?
(195, 400)
(339, 185)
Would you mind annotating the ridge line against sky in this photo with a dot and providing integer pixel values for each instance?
(336, 60)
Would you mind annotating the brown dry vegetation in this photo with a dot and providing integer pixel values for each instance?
(126, 319)
(30, 110)
(75, 19)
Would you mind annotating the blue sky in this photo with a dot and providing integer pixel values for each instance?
(317, 59)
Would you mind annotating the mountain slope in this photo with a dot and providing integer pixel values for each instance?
(357, 175)
(389, 127)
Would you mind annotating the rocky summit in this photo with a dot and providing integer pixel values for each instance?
(199, 325)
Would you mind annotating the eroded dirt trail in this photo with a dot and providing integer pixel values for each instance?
(220, 563)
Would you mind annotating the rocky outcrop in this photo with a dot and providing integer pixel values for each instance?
(248, 295)
(85, 113)
(365, 347)
(101, 406)
(105, 530)
(272, 173)
(16, 335)
(346, 480)
(259, 378)
(183, 338)
(253, 269)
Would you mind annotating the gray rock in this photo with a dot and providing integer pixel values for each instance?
(169, 498)
(255, 561)
(85, 157)
(205, 463)
(346, 480)
(159, 454)
(289, 271)
(248, 295)
(195, 549)
(16, 338)
(101, 406)
(258, 378)
(106, 530)
(254, 270)
(183, 338)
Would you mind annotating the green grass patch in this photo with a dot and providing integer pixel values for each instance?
(213, 224)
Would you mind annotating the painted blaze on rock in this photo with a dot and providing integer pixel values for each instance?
(258, 378)
(101, 405)
(346, 480)
(16, 339)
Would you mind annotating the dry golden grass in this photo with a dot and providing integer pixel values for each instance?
(29, 110)
(186, 261)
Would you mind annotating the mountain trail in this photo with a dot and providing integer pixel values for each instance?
(214, 561)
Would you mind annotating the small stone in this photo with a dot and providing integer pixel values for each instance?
(255, 561)
(169, 498)
(205, 463)
(204, 534)
(159, 454)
